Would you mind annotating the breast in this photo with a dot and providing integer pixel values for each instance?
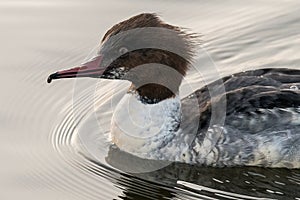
(136, 127)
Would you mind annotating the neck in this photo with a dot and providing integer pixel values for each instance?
(140, 128)
(152, 93)
(154, 82)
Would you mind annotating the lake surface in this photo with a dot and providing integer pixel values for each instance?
(54, 137)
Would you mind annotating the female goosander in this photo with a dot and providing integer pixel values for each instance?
(261, 124)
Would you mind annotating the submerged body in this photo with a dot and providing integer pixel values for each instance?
(252, 120)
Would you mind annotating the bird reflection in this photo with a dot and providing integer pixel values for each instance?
(252, 181)
(134, 176)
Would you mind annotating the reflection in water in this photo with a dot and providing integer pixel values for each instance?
(242, 182)
(135, 187)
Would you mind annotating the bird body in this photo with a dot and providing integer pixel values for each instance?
(253, 118)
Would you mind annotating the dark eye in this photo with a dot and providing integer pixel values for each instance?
(123, 50)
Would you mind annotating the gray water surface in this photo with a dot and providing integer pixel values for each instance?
(54, 137)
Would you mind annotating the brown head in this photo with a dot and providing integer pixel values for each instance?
(140, 50)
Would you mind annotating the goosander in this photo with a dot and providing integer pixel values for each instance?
(261, 108)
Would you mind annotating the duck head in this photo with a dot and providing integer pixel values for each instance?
(150, 53)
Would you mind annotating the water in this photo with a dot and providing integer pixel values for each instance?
(53, 137)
